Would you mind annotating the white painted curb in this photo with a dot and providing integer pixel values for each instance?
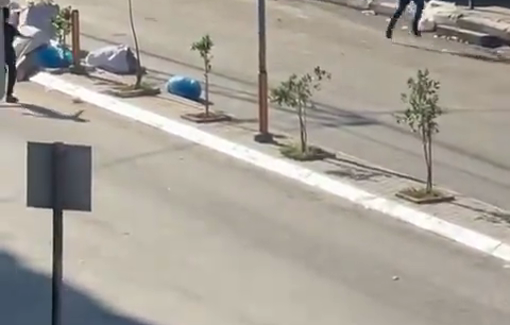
(285, 168)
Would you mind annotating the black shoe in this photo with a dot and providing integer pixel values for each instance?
(416, 33)
(414, 29)
(11, 99)
(391, 26)
(389, 33)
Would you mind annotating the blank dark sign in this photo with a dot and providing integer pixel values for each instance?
(76, 175)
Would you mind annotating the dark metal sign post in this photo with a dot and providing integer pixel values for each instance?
(59, 177)
(58, 234)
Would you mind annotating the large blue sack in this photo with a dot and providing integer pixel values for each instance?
(53, 57)
(185, 87)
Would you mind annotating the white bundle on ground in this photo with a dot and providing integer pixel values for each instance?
(117, 59)
(438, 12)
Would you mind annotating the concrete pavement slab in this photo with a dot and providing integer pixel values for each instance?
(180, 234)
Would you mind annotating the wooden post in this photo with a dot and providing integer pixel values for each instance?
(75, 35)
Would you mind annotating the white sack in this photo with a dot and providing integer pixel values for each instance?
(38, 38)
(39, 15)
(15, 11)
(438, 12)
(27, 66)
(117, 59)
(25, 48)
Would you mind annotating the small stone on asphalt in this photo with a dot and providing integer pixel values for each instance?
(368, 12)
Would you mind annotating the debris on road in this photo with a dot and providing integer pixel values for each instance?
(368, 12)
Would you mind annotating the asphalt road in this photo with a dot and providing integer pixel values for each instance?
(183, 235)
(355, 110)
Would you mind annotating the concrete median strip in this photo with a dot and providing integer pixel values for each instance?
(392, 208)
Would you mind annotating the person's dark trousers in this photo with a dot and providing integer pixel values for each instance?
(10, 63)
(402, 5)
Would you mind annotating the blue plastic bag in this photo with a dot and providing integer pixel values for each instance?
(185, 87)
(54, 57)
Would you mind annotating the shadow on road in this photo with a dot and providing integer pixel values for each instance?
(321, 114)
(39, 111)
(25, 298)
(334, 117)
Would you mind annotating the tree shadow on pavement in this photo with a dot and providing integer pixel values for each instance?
(39, 111)
(321, 114)
(330, 116)
(358, 170)
(25, 298)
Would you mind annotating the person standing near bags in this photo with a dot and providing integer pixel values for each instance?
(402, 5)
(10, 33)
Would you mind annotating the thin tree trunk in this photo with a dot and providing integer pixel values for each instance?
(424, 140)
(206, 92)
(139, 73)
(429, 162)
(305, 129)
(302, 129)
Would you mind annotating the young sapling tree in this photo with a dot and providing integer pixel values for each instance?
(297, 93)
(420, 115)
(62, 25)
(204, 48)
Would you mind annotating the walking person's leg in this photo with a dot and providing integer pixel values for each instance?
(420, 4)
(402, 4)
(11, 78)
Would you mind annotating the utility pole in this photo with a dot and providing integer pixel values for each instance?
(263, 136)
